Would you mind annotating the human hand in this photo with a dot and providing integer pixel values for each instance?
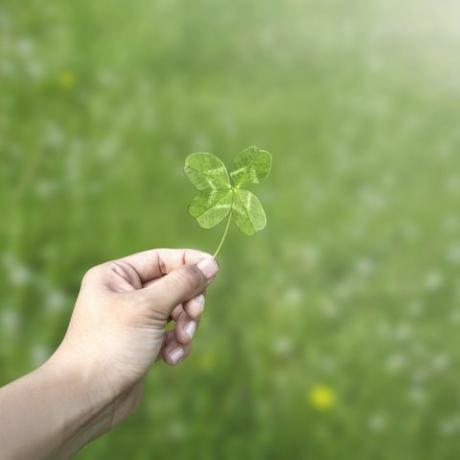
(117, 330)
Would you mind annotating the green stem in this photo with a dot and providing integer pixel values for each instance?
(224, 235)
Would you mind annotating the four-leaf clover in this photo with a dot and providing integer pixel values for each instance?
(222, 194)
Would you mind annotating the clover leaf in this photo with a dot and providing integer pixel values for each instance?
(252, 166)
(221, 195)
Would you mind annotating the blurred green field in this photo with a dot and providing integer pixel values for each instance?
(333, 334)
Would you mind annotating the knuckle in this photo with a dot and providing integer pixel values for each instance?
(91, 273)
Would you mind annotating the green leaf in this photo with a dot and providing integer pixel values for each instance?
(210, 207)
(219, 198)
(252, 166)
(249, 213)
(206, 171)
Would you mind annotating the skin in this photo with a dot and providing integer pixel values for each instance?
(94, 379)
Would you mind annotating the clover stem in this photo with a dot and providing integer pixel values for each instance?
(224, 235)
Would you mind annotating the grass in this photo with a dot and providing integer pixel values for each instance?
(352, 287)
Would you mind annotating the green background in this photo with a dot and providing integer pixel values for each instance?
(354, 285)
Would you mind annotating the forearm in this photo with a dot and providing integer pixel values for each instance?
(49, 413)
(117, 331)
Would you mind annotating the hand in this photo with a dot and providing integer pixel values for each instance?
(117, 331)
(118, 323)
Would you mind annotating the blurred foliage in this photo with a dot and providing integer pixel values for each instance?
(353, 288)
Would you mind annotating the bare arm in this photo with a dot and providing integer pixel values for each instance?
(117, 331)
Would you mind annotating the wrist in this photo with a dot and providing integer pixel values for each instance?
(81, 409)
(57, 409)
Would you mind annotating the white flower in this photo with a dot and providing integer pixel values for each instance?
(56, 301)
(53, 135)
(293, 295)
(344, 289)
(10, 321)
(282, 345)
(372, 199)
(441, 362)
(417, 396)
(419, 376)
(328, 363)
(415, 308)
(176, 430)
(455, 316)
(45, 188)
(396, 362)
(449, 427)
(402, 332)
(377, 423)
(453, 254)
(19, 274)
(107, 78)
(310, 254)
(202, 141)
(434, 280)
(24, 47)
(453, 184)
(364, 266)
(39, 354)
(451, 223)
(329, 308)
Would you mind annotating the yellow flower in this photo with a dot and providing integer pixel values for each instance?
(322, 397)
(66, 80)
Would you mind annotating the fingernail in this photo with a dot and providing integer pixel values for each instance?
(176, 355)
(190, 328)
(208, 267)
(199, 300)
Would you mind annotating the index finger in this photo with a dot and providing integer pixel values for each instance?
(155, 263)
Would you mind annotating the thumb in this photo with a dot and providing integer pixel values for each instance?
(179, 285)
